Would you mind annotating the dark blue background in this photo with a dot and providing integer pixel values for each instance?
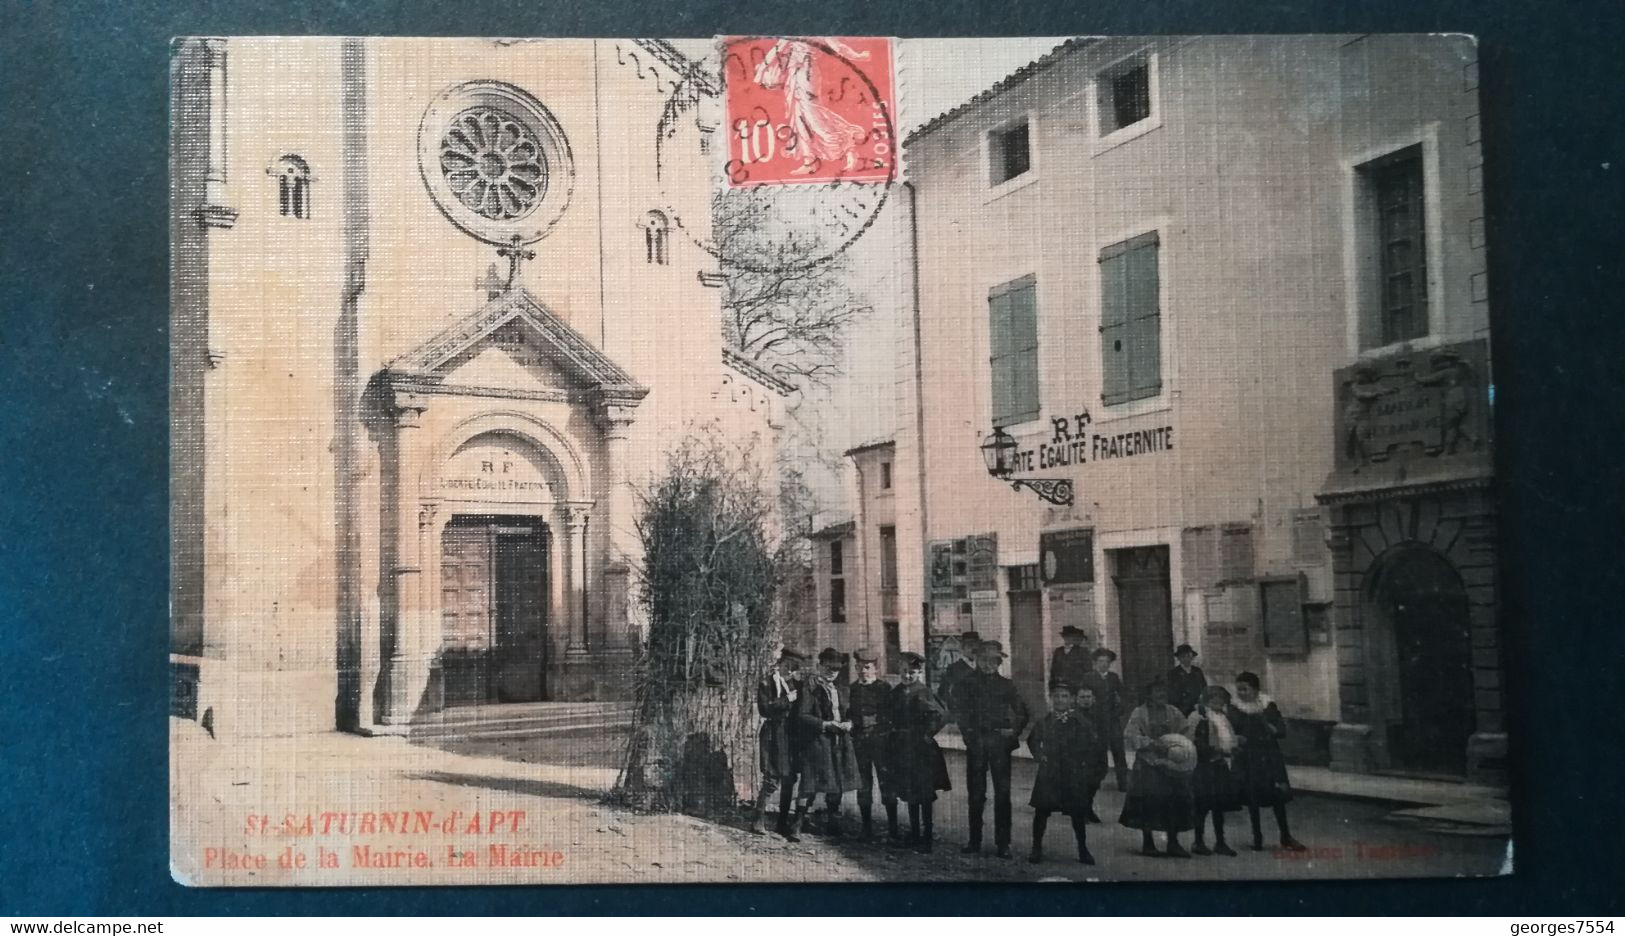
(83, 447)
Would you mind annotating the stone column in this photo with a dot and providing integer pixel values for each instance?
(214, 212)
(623, 551)
(558, 581)
(579, 609)
(408, 664)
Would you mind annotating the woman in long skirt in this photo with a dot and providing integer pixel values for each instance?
(1159, 787)
(1213, 783)
(1260, 765)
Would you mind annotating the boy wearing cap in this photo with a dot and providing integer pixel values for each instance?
(1070, 662)
(822, 726)
(1108, 692)
(1186, 682)
(775, 695)
(919, 769)
(991, 716)
(871, 732)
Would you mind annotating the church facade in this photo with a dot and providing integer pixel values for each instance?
(438, 309)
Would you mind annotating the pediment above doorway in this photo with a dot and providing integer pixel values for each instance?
(514, 348)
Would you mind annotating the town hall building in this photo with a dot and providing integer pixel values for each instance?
(439, 308)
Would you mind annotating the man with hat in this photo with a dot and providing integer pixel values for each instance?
(871, 733)
(1186, 682)
(1070, 662)
(776, 694)
(991, 716)
(821, 725)
(959, 669)
(1108, 709)
(918, 767)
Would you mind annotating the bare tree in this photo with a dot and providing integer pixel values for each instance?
(722, 578)
(787, 315)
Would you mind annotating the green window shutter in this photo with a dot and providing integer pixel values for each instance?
(1013, 327)
(1130, 321)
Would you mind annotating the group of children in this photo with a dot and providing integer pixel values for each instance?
(1191, 767)
(827, 736)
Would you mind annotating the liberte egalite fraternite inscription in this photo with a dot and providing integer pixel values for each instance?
(812, 458)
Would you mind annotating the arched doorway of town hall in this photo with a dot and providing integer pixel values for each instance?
(494, 601)
(1418, 604)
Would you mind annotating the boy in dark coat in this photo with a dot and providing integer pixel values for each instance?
(959, 669)
(1070, 662)
(918, 767)
(1186, 681)
(1061, 744)
(822, 728)
(1109, 709)
(871, 737)
(991, 716)
(1083, 701)
(775, 695)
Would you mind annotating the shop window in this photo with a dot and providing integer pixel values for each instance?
(1130, 320)
(1010, 153)
(1013, 322)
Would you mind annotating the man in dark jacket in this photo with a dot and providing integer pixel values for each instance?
(991, 718)
(871, 735)
(775, 696)
(821, 724)
(1070, 662)
(1108, 709)
(959, 669)
(1186, 682)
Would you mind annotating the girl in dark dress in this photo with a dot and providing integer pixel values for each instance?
(1260, 765)
(821, 724)
(1213, 783)
(918, 769)
(1159, 787)
(1062, 744)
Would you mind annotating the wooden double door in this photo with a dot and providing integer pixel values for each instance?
(1144, 616)
(494, 599)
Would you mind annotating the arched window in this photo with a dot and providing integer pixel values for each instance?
(293, 186)
(657, 238)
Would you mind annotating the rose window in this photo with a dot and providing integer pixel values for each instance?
(493, 163)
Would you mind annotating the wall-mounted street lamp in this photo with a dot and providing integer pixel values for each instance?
(998, 450)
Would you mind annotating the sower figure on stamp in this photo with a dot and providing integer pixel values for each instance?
(871, 737)
(991, 717)
(824, 757)
(918, 768)
(1062, 744)
(1186, 681)
(1108, 691)
(1260, 765)
(775, 696)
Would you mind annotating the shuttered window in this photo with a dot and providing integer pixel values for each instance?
(1396, 188)
(1013, 320)
(1130, 320)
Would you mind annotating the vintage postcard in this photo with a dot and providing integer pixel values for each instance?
(832, 459)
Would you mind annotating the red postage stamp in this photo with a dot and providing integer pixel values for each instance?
(809, 110)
